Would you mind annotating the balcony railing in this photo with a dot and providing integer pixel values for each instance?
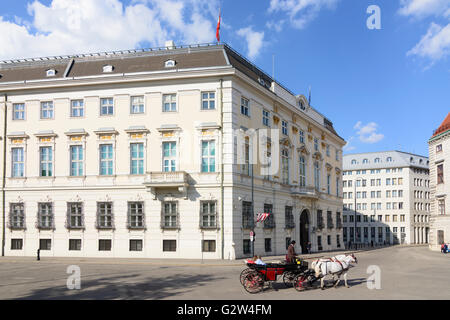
(305, 192)
(290, 224)
(163, 179)
(330, 224)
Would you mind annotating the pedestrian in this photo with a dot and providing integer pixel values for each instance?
(442, 247)
(445, 248)
(291, 255)
(259, 261)
(308, 247)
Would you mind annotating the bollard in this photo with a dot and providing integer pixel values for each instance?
(38, 254)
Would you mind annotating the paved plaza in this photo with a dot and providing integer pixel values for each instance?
(406, 273)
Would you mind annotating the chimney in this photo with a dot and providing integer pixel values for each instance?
(170, 44)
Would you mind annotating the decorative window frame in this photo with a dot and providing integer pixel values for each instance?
(106, 136)
(177, 226)
(76, 138)
(38, 215)
(68, 216)
(208, 132)
(129, 226)
(170, 133)
(10, 223)
(216, 215)
(97, 216)
(46, 139)
(137, 135)
(17, 140)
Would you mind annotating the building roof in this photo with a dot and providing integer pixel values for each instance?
(132, 62)
(384, 159)
(445, 126)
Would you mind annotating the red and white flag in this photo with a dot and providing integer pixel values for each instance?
(218, 29)
(262, 216)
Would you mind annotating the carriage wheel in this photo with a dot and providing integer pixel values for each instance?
(253, 282)
(288, 278)
(301, 282)
(244, 274)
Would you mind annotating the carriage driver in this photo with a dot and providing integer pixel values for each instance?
(291, 255)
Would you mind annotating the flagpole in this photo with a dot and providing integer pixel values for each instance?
(253, 215)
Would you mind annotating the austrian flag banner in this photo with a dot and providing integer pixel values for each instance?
(262, 216)
(218, 29)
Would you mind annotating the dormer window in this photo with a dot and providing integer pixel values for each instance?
(261, 81)
(301, 104)
(51, 72)
(108, 68)
(169, 64)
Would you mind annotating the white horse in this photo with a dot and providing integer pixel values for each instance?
(337, 265)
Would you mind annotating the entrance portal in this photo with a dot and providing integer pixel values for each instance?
(304, 230)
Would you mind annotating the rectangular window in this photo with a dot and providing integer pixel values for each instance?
(268, 245)
(245, 108)
(329, 240)
(137, 105)
(106, 106)
(104, 245)
(169, 102)
(289, 217)
(439, 148)
(284, 127)
(169, 156)
(135, 245)
(329, 184)
(208, 214)
(208, 100)
(75, 215)
(47, 110)
(18, 111)
(302, 136)
(77, 108)
(45, 215)
(316, 144)
(45, 244)
(76, 161)
(285, 166)
(441, 207)
(440, 173)
(302, 168)
(317, 176)
(209, 156)
(74, 244)
(46, 161)
(18, 162)
(209, 245)
(106, 159)
(319, 243)
(135, 215)
(170, 214)
(266, 118)
(269, 223)
(402, 218)
(17, 216)
(104, 215)
(137, 158)
(246, 246)
(170, 245)
(16, 244)
(247, 216)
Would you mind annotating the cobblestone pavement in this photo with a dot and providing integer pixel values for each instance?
(406, 273)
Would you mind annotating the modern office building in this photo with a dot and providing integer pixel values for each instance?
(439, 149)
(149, 153)
(390, 192)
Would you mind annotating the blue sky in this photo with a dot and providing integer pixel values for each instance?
(383, 89)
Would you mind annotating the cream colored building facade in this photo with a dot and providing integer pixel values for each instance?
(392, 198)
(134, 154)
(439, 150)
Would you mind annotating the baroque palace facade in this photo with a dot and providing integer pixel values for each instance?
(134, 154)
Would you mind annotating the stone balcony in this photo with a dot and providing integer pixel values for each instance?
(305, 192)
(177, 180)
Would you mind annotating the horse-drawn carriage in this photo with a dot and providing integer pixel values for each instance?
(256, 276)
(297, 274)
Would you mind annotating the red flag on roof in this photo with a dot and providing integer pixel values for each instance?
(218, 29)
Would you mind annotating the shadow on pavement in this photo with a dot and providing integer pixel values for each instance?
(124, 287)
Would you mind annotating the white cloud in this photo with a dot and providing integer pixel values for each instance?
(368, 133)
(434, 45)
(255, 41)
(423, 8)
(348, 146)
(301, 12)
(78, 26)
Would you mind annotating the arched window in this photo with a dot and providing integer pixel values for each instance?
(377, 160)
(365, 161)
(389, 159)
(353, 161)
